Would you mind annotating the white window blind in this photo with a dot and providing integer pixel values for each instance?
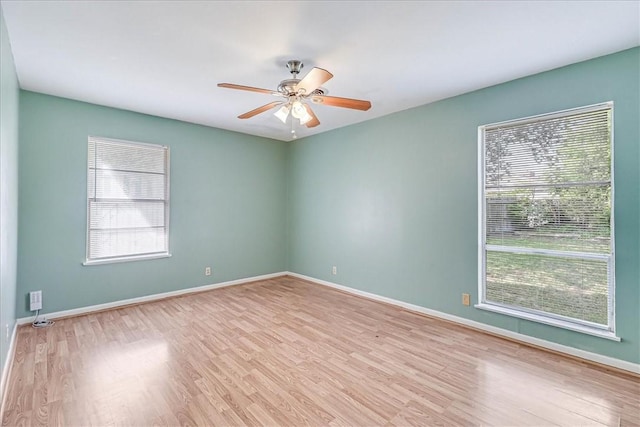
(127, 200)
(546, 218)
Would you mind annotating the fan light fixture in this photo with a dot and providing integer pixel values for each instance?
(282, 113)
(297, 110)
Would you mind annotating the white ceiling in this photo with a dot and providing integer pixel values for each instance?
(165, 57)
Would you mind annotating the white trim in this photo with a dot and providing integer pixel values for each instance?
(594, 357)
(548, 320)
(548, 252)
(6, 370)
(582, 354)
(125, 259)
(550, 116)
(126, 142)
(148, 298)
(481, 215)
(612, 225)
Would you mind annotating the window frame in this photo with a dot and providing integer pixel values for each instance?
(167, 202)
(556, 320)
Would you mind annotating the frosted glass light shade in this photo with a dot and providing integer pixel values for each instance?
(299, 111)
(282, 113)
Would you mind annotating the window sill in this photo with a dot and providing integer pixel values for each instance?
(125, 259)
(601, 333)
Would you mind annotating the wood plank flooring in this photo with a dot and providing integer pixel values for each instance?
(284, 352)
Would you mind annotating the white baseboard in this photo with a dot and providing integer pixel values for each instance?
(147, 298)
(575, 352)
(6, 369)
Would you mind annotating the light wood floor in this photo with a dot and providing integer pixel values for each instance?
(287, 352)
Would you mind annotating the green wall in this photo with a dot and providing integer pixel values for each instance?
(228, 205)
(392, 202)
(9, 93)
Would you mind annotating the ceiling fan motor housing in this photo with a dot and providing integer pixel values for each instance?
(288, 86)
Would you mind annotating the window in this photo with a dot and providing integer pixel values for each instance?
(127, 201)
(546, 219)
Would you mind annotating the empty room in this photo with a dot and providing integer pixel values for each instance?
(311, 213)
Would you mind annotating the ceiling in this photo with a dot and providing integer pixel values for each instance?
(165, 57)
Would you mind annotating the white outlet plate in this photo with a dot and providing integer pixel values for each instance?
(207, 271)
(334, 270)
(35, 300)
(7, 332)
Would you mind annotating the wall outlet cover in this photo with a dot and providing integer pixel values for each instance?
(35, 300)
(466, 299)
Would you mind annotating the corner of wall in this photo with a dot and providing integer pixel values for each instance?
(9, 100)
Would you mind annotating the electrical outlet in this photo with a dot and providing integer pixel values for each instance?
(6, 327)
(207, 271)
(334, 270)
(466, 299)
(35, 300)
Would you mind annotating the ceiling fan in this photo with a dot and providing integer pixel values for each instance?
(296, 92)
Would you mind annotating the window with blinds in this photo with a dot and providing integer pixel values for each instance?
(127, 201)
(546, 220)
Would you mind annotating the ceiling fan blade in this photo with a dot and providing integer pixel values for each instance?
(314, 120)
(260, 110)
(313, 80)
(334, 101)
(248, 88)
